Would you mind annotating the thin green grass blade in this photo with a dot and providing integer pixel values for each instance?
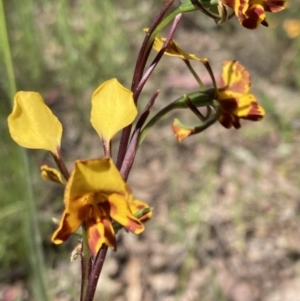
(18, 182)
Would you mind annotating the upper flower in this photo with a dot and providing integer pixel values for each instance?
(95, 194)
(234, 97)
(251, 13)
(233, 93)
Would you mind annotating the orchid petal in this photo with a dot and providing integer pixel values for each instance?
(32, 124)
(251, 13)
(100, 231)
(96, 176)
(248, 108)
(137, 205)
(120, 212)
(51, 174)
(174, 50)
(113, 109)
(235, 79)
(69, 223)
(234, 97)
(181, 131)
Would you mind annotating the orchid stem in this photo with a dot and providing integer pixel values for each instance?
(167, 20)
(61, 165)
(95, 274)
(86, 262)
(197, 78)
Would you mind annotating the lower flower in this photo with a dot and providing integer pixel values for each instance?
(95, 195)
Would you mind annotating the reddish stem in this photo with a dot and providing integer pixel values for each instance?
(95, 273)
(131, 151)
(61, 165)
(137, 75)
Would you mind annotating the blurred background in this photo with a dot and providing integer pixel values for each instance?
(226, 202)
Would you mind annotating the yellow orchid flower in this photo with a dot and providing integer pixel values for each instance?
(233, 92)
(95, 194)
(234, 99)
(251, 13)
(234, 96)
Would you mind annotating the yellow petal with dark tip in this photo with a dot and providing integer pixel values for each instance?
(51, 174)
(100, 231)
(120, 212)
(137, 206)
(174, 50)
(69, 223)
(181, 132)
(235, 79)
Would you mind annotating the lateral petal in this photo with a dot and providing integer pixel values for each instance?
(137, 205)
(120, 212)
(32, 124)
(69, 223)
(174, 50)
(113, 109)
(249, 108)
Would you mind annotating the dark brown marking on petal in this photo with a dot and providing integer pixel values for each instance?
(274, 5)
(253, 17)
(134, 225)
(225, 120)
(255, 113)
(103, 214)
(107, 207)
(82, 212)
(84, 162)
(235, 71)
(140, 207)
(94, 237)
(146, 217)
(109, 233)
(65, 230)
(229, 104)
(236, 122)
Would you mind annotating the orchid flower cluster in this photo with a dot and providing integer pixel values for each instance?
(98, 201)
